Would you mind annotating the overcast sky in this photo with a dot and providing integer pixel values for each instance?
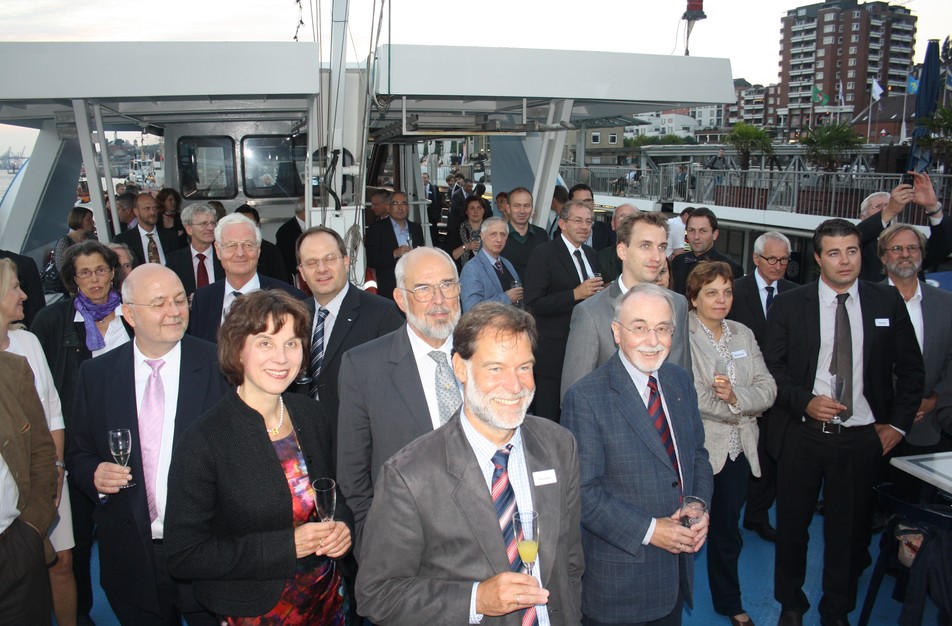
(745, 31)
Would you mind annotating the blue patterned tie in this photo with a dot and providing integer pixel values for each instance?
(317, 350)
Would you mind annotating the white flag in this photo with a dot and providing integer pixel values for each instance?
(842, 95)
(877, 91)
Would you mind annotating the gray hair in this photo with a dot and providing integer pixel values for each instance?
(571, 204)
(192, 210)
(864, 205)
(489, 221)
(641, 291)
(772, 235)
(233, 219)
(400, 271)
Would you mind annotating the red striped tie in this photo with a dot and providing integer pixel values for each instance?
(656, 413)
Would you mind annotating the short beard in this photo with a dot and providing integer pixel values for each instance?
(479, 403)
(903, 271)
(439, 331)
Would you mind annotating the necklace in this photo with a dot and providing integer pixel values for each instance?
(273, 431)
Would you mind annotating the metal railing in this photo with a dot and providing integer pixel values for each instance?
(825, 194)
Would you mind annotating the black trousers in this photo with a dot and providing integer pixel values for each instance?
(550, 354)
(81, 511)
(761, 492)
(724, 540)
(845, 465)
(175, 599)
(25, 596)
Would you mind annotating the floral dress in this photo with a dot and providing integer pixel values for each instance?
(316, 594)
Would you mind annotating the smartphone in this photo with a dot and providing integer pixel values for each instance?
(907, 179)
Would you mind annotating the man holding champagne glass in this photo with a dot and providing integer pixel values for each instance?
(450, 533)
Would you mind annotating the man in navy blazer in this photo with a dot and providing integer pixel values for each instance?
(137, 238)
(812, 447)
(488, 276)
(237, 245)
(390, 239)
(112, 394)
(636, 466)
(199, 221)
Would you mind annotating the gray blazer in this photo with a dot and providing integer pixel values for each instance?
(479, 282)
(382, 408)
(432, 531)
(591, 342)
(754, 387)
(937, 355)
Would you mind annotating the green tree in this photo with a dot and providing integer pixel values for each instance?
(747, 139)
(828, 144)
(940, 141)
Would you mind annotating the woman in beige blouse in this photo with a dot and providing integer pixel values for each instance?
(733, 388)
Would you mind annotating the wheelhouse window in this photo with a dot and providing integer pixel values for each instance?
(206, 167)
(273, 166)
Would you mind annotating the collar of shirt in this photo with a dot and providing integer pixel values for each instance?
(333, 310)
(762, 284)
(828, 296)
(571, 247)
(492, 259)
(301, 223)
(426, 368)
(624, 290)
(530, 232)
(398, 231)
(252, 285)
(914, 306)
(638, 377)
(484, 449)
(209, 254)
(143, 232)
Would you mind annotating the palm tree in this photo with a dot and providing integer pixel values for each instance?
(747, 139)
(828, 144)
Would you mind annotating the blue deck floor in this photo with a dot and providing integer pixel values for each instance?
(756, 576)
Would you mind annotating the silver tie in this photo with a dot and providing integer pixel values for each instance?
(447, 391)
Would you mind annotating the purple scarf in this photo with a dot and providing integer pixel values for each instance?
(93, 313)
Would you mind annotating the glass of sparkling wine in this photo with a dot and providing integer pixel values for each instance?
(525, 524)
(692, 510)
(120, 446)
(837, 387)
(325, 498)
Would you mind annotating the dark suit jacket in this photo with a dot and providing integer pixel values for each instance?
(938, 247)
(550, 277)
(286, 240)
(421, 570)
(228, 523)
(892, 364)
(208, 301)
(106, 399)
(167, 239)
(363, 317)
(747, 308)
(180, 262)
(380, 243)
(609, 263)
(271, 264)
(602, 235)
(434, 209)
(27, 447)
(626, 480)
(376, 419)
(682, 265)
(30, 283)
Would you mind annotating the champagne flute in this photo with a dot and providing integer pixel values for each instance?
(692, 510)
(837, 389)
(325, 498)
(120, 446)
(525, 525)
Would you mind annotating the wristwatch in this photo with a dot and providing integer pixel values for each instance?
(938, 209)
(61, 465)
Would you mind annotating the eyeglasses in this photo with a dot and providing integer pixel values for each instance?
(232, 246)
(328, 261)
(204, 224)
(179, 302)
(425, 293)
(399, 204)
(773, 260)
(661, 331)
(581, 220)
(911, 249)
(83, 274)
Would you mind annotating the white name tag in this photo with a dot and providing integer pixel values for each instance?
(739, 354)
(545, 477)
(882, 321)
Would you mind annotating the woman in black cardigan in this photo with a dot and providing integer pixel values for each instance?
(241, 521)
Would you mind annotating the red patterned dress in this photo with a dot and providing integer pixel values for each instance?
(316, 594)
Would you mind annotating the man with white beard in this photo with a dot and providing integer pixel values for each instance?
(400, 386)
(440, 545)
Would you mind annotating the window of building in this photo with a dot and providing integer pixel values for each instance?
(819, 65)
(855, 26)
(850, 86)
(854, 38)
(819, 75)
(821, 52)
(207, 167)
(839, 40)
(852, 50)
(828, 41)
(612, 138)
(829, 17)
(273, 166)
(829, 28)
(596, 137)
(856, 15)
(852, 63)
(851, 74)
(849, 97)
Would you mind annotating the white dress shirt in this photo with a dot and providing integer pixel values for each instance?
(170, 374)
(426, 367)
(762, 290)
(209, 263)
(862, 413)
(333, 310)
(571, 248)
(9, 496)
(251, 286)
(116, 334)
(914, 306)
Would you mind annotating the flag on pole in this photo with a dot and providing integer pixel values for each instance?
(912, 85)
(842, 95)
(818, 97)
(877, 91)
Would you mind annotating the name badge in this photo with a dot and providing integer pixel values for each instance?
(739, 354)
(882, 321)
(545, 477)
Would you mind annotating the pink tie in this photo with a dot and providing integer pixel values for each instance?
(151, 418)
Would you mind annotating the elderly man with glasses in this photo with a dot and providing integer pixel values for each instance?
(197, 265)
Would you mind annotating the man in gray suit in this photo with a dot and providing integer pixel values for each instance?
(642, 247)
(400, 386)
(641, 449)
(901, 249)
(439, 544)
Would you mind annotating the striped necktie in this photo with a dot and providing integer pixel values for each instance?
(317, 349)
(656, 413)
